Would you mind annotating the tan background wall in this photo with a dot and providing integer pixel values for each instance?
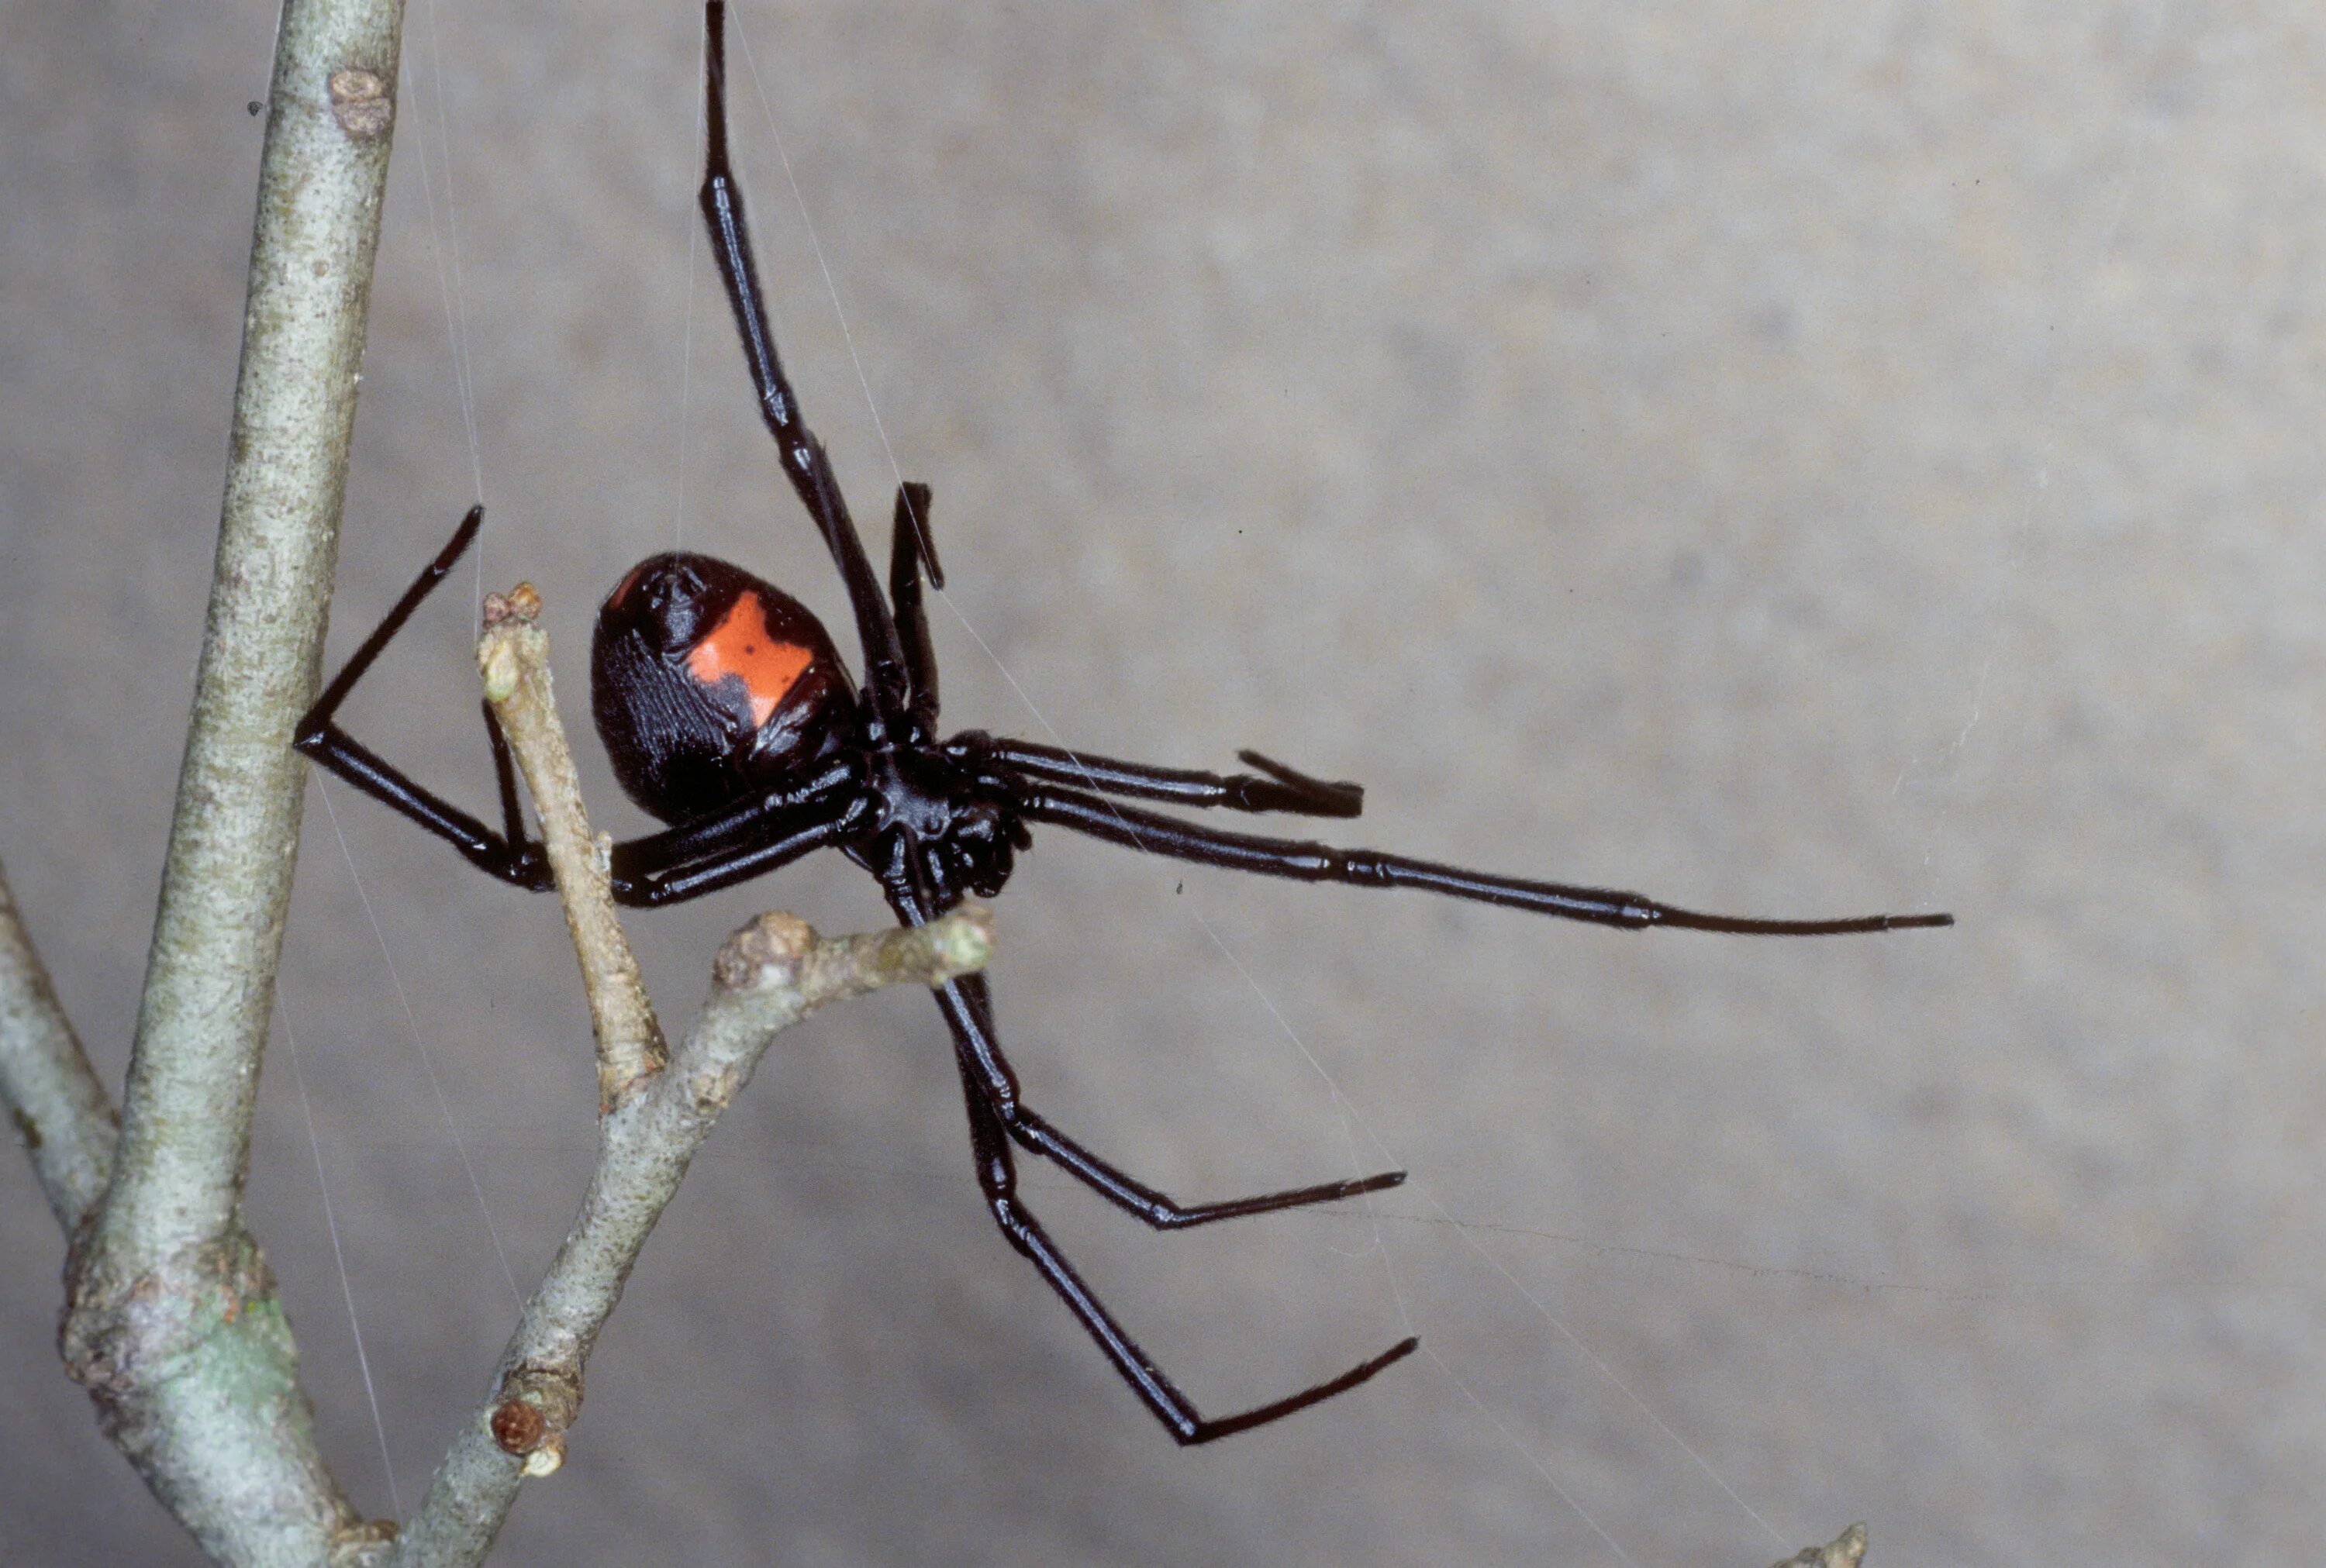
(1786, 459)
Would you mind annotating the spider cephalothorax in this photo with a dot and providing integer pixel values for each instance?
(935, 802)
(729, 714)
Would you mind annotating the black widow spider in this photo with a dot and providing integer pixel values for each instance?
(728, 713)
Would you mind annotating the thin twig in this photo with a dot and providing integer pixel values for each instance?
(768, 976)
(173, 1324)
(61, 1111)
(513, 656)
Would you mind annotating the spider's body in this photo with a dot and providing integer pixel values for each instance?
(708, 684)
(933, 803)
(715, 690)
(729, 714)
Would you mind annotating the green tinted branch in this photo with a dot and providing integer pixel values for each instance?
(61, 1111)
(173, 1324)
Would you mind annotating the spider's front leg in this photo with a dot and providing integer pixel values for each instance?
(805, 464)
(509, 855)
(910, 550)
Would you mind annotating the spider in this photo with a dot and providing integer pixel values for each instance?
(729, 714)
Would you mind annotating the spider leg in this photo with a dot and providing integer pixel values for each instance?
(1154, 834)
(967, 1006)
(673, 866)
(706, 837)
(1281, 790)
(505, 778)
(393, 622)
(509, 856)
(996, 1178)
(804, 462)
(968, 1009)
(667, 868)
(910, 549)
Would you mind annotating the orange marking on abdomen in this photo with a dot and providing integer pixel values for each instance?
(740, 645)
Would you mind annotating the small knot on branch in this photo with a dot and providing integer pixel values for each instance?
(517, 1426)
(961, 943)
(771, 951)
(118, 1335)
(521, 604)
(530, 1418)
(511, 643)
(362, 103)
(362, 1544)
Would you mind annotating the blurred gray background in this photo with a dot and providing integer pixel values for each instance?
(1788, 460)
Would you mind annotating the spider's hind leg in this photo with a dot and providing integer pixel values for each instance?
(968, 1008)
(997, 1177)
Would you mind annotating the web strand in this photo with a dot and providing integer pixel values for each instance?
(1496, 1422)
(686, 343)
(420, 1046)
(338, 1256)
(444, 248)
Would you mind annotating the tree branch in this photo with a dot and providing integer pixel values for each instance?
(210, 980)
(60, 1110)
(768, 976)
(173, 1324)
(514, 658)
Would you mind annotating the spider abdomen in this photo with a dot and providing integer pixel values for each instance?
(708, 683)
